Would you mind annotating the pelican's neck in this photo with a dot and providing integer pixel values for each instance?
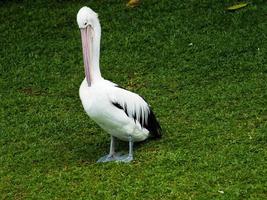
(95, 52)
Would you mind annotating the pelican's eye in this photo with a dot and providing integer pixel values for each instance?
(85, 23)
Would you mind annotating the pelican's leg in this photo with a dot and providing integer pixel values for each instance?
(129, 157)
(112, 155)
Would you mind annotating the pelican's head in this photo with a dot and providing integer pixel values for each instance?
(86, 17)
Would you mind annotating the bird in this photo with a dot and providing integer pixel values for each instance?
(121, 113)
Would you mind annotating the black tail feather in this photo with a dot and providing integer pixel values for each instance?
(153, 125)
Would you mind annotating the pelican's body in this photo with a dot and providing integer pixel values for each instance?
(98, 102)
(123, 114)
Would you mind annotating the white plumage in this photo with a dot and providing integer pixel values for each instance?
(98, 102)
(123, 114)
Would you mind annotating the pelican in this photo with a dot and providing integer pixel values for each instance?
(123, 114)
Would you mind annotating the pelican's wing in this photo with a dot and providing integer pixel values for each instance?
(137, 108)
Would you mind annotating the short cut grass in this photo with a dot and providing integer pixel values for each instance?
(202, 68)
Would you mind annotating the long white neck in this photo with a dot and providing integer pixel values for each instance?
(95, 51)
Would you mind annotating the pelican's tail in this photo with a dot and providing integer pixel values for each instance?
(153, 125)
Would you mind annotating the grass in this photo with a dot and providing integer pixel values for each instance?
(203, 69)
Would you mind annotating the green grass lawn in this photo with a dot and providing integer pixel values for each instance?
(203, 70)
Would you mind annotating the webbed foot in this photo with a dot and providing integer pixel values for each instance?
(124, 158)
(109, 157)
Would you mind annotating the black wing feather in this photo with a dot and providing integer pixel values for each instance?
(153, 125)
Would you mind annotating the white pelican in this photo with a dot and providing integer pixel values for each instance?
(123, 114)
